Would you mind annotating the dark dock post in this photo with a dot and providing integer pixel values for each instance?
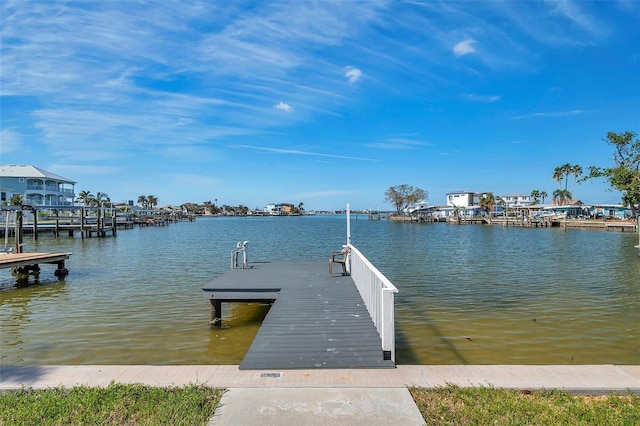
(100, 222)
(57, 213)
(18, 231)
(61, 272)
(216, 312)
(35, 224)
(82, 231)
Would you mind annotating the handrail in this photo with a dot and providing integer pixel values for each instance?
(377, 292)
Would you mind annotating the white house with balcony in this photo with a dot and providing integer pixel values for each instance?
(517, 200)
(464, 199)
(36, 186)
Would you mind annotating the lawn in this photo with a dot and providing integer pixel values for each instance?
(453, 405)
(114, 405)
(195, 404)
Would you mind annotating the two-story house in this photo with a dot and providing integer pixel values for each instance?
(36, 186)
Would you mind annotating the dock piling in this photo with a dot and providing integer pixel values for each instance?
(216, 312)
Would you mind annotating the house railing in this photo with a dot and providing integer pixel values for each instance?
(378, 294)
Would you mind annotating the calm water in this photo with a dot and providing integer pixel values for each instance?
(469, 294)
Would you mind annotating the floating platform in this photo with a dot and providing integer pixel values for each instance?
(316, 321)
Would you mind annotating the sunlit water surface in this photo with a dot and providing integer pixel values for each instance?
(469, 294)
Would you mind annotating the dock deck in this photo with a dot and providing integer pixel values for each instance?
(316, 321)
(26, 262)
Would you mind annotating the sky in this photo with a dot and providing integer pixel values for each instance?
(316, 102)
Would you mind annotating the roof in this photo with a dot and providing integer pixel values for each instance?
(28, 171)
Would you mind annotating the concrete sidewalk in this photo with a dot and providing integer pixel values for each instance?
(329, 396)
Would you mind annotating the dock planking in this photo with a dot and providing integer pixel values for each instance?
(316, 321)
(25, 262)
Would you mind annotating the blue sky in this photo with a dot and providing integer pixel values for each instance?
(317, 102)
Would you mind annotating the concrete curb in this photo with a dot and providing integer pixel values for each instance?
(593, 379)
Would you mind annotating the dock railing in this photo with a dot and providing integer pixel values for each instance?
(378, 294)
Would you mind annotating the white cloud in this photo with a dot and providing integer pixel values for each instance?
(464, 47)
(298, 152)
(284, 107)
(353, 74)
(551, 114)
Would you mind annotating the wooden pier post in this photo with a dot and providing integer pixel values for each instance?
(216, 312)
(57, 223)
(100, 231)
(18, 231)
(82, 223)
(35, 224)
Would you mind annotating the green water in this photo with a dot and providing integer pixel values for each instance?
(469, 294)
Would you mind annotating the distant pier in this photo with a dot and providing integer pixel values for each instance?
(87, 221)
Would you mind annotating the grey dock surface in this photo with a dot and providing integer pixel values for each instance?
(316, 321)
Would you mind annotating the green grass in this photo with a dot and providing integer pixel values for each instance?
(453, 405)
(195, 404)
(114, 405)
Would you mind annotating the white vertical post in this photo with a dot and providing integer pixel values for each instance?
(348, 225)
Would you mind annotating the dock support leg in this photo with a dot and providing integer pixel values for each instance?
(61, 272)
(216, 312)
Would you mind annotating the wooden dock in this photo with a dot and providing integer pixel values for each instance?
(28, 262)
(316, 321)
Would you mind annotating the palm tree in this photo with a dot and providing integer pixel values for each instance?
(300, 207)
(561, 196)
(576, 171)
(566, 170)
(101, 198)
(535, 194)
(487, 202)
(142, 200)
(543, 195)
(85, 197)
(456, 212)
(16, 200)
(152, 200)
(558, 174)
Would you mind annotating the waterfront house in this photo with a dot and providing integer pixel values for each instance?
(278, 209)
(515, 200)
(608, 211)
(570, 208)
(36, 186)
(464, 199)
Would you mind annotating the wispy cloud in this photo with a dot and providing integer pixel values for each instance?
(353, 74)
(464, 47)
(297, 152)
(398, 143)
(481, 98)
(550, 114)
(577, 16)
